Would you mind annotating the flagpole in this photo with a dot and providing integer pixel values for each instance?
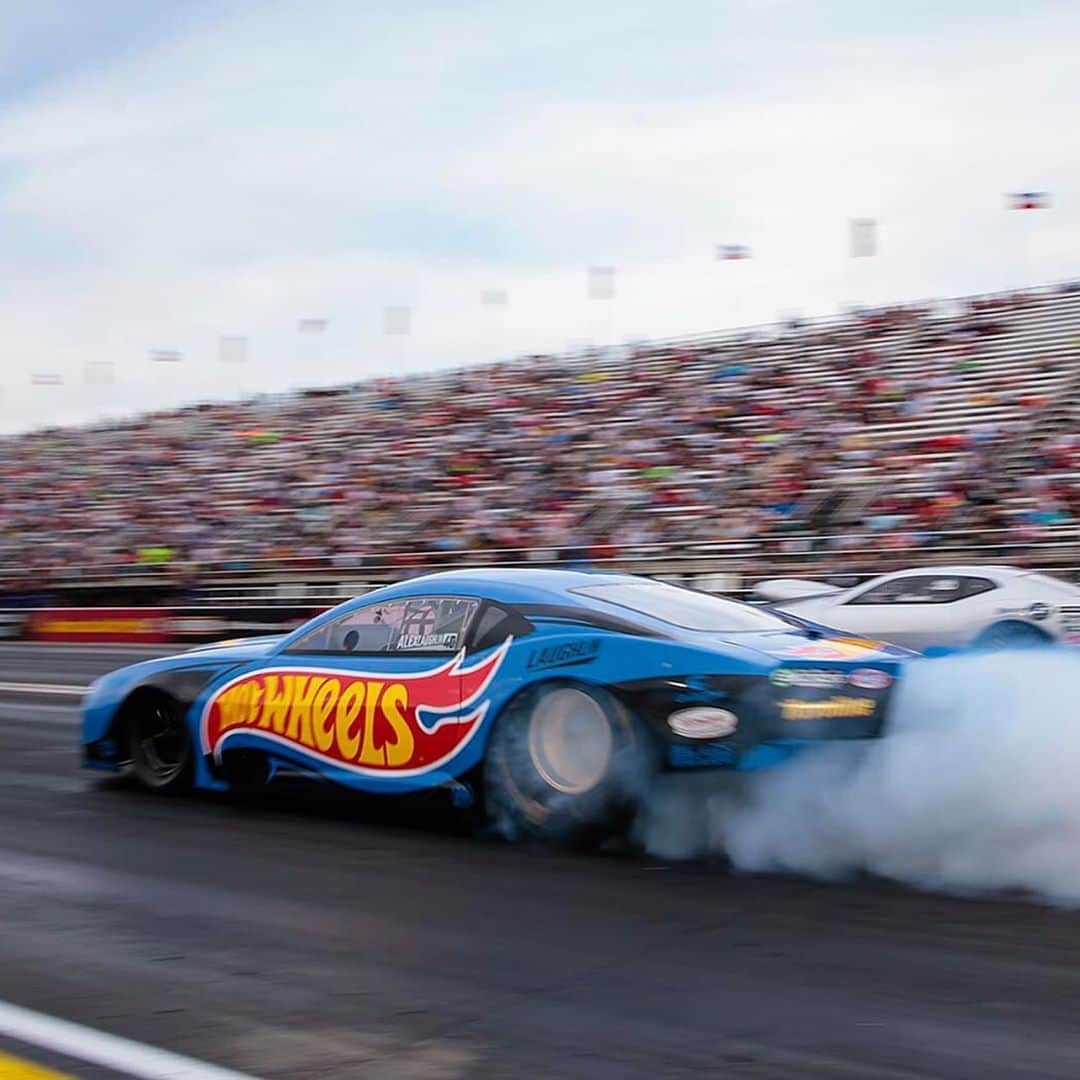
(863, 244)
(397, 323)
(734, 253)
(1023, 202)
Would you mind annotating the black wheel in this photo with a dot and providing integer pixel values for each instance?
(159, 744)
(1011, 635)
(567, 763)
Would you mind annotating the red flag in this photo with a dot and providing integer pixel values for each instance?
(1029, 200)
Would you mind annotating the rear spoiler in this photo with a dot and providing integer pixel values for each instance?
(779, 590)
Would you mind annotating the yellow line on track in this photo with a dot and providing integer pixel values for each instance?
(13, 1068)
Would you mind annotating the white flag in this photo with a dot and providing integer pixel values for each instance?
(232, 350)
(863, 237)
(397, 319)
(601, 282)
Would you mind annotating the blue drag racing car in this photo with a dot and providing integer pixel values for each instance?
(550, 696)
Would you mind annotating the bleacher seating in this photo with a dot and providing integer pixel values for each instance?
(882, 432)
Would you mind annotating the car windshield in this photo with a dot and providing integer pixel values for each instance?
(684, 607)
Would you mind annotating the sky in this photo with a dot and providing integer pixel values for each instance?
(172, 172)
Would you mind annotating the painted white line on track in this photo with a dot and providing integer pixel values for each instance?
(42, 688)
(53, 707)
(49, 726)
(99, 1048)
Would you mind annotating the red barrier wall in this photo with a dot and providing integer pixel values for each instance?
(150, 625)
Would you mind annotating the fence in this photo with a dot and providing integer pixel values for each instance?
(729, 566)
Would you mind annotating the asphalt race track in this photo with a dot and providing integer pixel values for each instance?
(324, 938)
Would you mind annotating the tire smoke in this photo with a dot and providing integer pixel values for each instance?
(975, 788)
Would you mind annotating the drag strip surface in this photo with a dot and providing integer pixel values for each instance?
(321, 937)
(68, 664)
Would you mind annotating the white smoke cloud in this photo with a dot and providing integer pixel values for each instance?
(975, 789)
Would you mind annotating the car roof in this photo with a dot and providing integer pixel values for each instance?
(510, 584)
(971, 570)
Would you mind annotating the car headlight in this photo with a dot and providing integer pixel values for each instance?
(703, 722)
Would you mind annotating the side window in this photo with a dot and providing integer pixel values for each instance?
(972, 586)
(495, 625)
(888, 592)
(417, 624)
(924, 589)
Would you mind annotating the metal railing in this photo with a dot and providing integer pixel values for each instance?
(736, 563)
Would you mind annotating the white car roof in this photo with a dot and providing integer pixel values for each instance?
(998, 573)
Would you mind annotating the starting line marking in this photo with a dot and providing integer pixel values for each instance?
(42, 688)
(99, 1048)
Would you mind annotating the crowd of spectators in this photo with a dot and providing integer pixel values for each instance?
(860, 438)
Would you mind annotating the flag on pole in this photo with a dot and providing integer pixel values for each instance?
(1029, 200)
(726, 252)
(863, 233)
(232, 350)
(99, 372)
(397, 319)
(601, 282)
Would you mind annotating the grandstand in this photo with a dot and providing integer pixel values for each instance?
(863, 442)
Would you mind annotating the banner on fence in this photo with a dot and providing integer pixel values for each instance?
(100, 625)
(154, 626)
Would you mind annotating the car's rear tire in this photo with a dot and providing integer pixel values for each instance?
(567, 763)
(1011, 635)
(159, 744)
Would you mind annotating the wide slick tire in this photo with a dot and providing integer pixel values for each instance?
(567, 763)
(159, 744)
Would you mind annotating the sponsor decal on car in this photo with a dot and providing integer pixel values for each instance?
(703, 722)
(570, 652)
(835, 649)
(839, 707)
(813, 678)
(445, 641)
(868, 678)
(370, 723)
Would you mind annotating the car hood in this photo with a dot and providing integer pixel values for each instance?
(795, 645)
(239, 648)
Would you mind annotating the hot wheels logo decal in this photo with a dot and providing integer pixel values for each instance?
(375, 724)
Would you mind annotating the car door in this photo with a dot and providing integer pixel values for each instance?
(379, 697)
(918, 611)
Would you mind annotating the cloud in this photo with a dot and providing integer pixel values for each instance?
(249, 165)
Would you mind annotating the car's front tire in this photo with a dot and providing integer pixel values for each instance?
(566, 763)
(159, 743)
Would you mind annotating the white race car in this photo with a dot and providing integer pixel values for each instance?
(950, 606)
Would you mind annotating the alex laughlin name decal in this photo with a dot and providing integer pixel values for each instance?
(373, 723)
